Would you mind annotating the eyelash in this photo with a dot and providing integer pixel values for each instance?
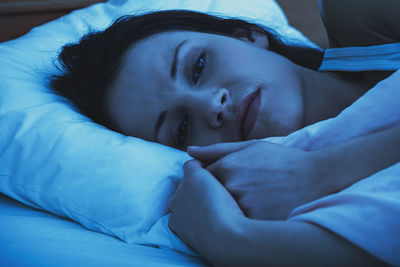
(198, 65)
(183, 126)
(182, 131)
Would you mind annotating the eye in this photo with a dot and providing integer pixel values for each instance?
(182, 132)
(198, 67)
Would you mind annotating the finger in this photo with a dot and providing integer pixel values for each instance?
(212, 153)
(201, 187)
(223, 171)
(177, 227)
(195, 174)
(181, 229)
(219, 171)
(192, 166)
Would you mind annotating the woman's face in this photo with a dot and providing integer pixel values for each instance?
(185, 88)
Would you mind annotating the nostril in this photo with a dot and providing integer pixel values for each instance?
(223, 99)
(219, 117)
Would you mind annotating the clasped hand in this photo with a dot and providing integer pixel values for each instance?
(232, 181)
(267, 180)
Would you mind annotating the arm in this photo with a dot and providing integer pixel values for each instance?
(270, 180)
(356, 159)
(288, 243)
(206, 217)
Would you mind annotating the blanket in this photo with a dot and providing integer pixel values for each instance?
(367, 213)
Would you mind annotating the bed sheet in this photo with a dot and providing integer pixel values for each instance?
(30, 237)
(368, 212)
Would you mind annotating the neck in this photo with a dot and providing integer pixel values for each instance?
(327, 94)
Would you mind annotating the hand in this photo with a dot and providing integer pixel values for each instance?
(203, 213)
(266, 179)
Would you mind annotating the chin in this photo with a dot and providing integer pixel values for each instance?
(283, 130)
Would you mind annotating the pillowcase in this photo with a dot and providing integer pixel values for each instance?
(55, 159)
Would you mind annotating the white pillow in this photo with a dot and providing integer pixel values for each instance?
(53, 158)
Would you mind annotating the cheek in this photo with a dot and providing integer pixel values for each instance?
(281, 114)
(238, 64)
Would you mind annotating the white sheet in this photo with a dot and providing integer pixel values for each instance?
(367, 213)
(30, 237)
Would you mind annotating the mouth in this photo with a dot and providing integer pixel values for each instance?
(247, 114)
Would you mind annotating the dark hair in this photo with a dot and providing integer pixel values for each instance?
(89, 67)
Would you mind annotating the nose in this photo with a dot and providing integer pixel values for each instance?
(218, 108)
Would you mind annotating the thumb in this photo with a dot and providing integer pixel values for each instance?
(212, 153)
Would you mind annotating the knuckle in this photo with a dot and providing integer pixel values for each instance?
(190, 165)
(224, 163)
(218, 168)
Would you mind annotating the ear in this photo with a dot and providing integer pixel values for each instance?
(254, 37)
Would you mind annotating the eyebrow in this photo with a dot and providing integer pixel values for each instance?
(175, 61)
(160, 121)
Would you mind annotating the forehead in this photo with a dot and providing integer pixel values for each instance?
(164, 41)
(146, 64)
(143, 78)
(152, 54)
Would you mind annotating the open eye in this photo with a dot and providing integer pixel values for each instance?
(182, 132)
(198, 67)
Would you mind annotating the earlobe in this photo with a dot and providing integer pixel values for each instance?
(260, 40)
(257, 38)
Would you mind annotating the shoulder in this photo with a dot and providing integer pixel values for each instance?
(361, 22)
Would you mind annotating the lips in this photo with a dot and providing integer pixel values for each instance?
(247, 114)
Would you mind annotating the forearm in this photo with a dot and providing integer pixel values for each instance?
(290, 243)
(353, 160)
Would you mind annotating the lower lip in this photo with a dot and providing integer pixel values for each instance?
(251, 114)
(247, 114)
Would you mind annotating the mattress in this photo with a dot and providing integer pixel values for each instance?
(31, 237)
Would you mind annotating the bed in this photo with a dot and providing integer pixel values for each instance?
(75, 193)
(30, 237)
(60, 204)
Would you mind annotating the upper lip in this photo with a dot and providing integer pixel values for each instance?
(242, 111)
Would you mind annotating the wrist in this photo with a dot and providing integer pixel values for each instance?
(227, 248)
(259, 243)
(327, 176)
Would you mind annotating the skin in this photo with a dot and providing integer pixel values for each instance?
(202, 101)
